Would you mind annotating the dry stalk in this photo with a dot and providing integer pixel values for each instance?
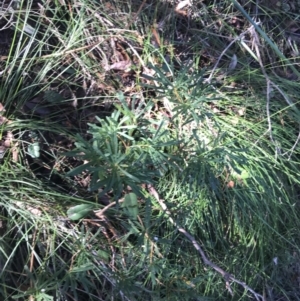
(270, 83)
(227, 277)
(236, 39)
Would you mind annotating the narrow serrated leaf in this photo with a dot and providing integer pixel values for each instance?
(79, 211)
(131, 205)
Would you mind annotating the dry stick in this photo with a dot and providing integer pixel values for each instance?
(228, 277)
(32, 263)
(256, 42)
(208, 80)
(136, 15)
(100, 213)
(294, 146)
(269, 83)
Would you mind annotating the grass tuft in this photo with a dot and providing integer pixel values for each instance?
(149, 150)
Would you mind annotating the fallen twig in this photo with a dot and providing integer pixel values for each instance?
(227, 277)
(100, 213)
(269, 84)
(238, 38)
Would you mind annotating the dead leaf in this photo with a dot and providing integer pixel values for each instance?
(15, 152)
(2, 119)
(8, 139)
(241, 111)
(179, 8)
(155, 40)
(34, 105)
(2, 151)
(9, 143)
(233, 63)
(121, 65)
(230, 184)
(148, 72)
(182, 4)
(2, 109)
(32, 210)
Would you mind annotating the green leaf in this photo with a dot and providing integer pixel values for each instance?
(240, 174)
(131, 205)
(104, 255)
(83, 268)
(79, 211)
(44, 297)
(245, 174)
(102, 174)
(130, 176)
(34, 150)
